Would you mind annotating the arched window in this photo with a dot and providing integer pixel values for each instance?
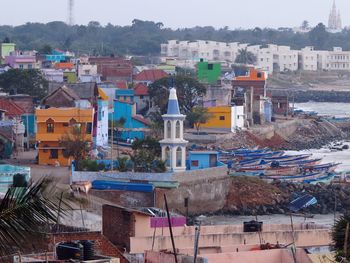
(167, 156)
(168, 129)
(50, 126)
(178, 156)
(178, 129)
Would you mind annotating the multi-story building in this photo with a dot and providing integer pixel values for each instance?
(53, 124)
(338, 59)
(22, 60)
(270, 58)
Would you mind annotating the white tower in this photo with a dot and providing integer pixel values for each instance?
(173, 145)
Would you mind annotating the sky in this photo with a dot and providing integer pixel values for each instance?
(177, 13)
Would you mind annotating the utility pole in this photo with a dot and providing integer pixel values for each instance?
(112, 138)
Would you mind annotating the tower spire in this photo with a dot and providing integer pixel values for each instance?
(173, 145)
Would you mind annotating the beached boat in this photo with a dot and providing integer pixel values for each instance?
(294, 178)
(330, 167)
(326, 179)
(281, 170)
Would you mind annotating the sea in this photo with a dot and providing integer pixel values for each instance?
(332, 109)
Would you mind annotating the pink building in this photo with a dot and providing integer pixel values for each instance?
(22, 60)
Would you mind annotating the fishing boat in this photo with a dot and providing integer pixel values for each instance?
(281, 170)
(294, 178)
(326, 179)
(330, 167)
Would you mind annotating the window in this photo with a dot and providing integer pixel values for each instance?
(21, 66)
(65, 124)
(222, 118)
(168, 129)
(167, 156)
(53, 154)
(30, 66)
(195, 163)
(178, 157)
(259, 75)
(141, 97)
(50, 128)
(88, 128)
(210, 66)
(178, 128)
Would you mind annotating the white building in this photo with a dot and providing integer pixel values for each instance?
(270, 58)
(173, 145)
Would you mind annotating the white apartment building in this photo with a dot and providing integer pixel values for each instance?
(277, 58)
(270, 58)
(338, 59)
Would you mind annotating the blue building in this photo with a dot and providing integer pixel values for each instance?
(57, 56)
(134, 126)
(203, 160)
(126, 95)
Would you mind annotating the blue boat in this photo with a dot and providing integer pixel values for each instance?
(326, 179)
(293, 177)
(124, 186)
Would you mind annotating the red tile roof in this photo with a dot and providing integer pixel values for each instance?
(121, 84)
(151, 75)
(12, 109)
(141, 90)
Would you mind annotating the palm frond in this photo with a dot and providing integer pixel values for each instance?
(24, 212)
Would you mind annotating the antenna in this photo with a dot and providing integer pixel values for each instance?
(70, 12)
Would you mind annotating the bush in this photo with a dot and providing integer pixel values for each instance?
(91, 166)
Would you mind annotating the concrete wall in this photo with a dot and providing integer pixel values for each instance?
(125, 198)
(270, 256)
(303, 238)
(161, 257)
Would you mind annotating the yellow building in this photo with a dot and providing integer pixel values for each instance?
(53, 124)
(225, 117)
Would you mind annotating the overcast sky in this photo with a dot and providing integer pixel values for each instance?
(176, 13)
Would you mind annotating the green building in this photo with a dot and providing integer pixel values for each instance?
(70, 77)
(208, 72)
(5, 50)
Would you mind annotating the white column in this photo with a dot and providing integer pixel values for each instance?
(183, 160)
(181, 129)
(163, 153)
(165, 130)
(173, 130)
(173, 157)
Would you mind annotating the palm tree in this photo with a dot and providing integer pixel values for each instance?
(341, 237)
(245, 57)
(24, 212)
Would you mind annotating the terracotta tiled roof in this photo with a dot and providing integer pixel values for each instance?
(141, 119)
(121, 84)
(151, 75)
(141, 90)
(12, 109)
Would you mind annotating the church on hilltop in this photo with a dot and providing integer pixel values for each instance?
(334, 21)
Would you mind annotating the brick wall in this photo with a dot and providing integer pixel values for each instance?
(117, 225)
(102, 245)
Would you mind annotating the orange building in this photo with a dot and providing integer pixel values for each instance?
(52, 124)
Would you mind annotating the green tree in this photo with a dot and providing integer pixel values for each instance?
(305, 25)
(25, 212)
(29, 81)
(245, 57)
(122, 164)
(319, 36)
(146, 156)
(75, 145)
(45, 49)
(189, 92)
(198, 116)
(338, 237)
(157, 125)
